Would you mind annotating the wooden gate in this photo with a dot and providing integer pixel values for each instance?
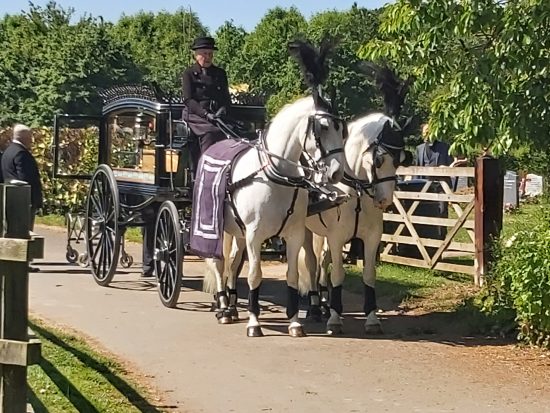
(455, 233)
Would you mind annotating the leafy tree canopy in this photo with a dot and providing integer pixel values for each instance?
(49, 65)
(484, 63)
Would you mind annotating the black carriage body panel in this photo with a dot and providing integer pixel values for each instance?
(137, 138)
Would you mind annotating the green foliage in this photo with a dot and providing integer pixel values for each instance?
(49, 65)
(481, 64)
(519, 283)
(62, 195)
(230, 40)
(354, 92)
(267, 66)
(160, 44)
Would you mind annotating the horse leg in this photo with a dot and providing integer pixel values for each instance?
(324, 260)
(237, 259)
(313, 249)
(334, 323)
(215, 267)
(253, 246)
(372, 323)
(293, 245)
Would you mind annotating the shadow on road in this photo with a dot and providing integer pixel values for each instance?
(76, 398)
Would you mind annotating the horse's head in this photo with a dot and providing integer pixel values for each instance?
(325, 131)
(324, 141)
(374, 150)
(383, 139)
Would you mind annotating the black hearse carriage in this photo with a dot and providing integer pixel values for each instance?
(141, 163)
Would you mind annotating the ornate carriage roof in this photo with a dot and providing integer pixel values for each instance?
(153, 97)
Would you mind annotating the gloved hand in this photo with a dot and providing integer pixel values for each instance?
(210, 117)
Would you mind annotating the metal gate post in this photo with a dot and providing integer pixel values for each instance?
(489, 182)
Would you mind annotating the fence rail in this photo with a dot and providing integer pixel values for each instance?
(463, 238)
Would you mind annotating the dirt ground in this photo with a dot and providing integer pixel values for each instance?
(421, 364)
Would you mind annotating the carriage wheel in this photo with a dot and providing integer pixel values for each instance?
(168, 254)
(102, 231)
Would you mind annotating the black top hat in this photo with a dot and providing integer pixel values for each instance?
(204, 43)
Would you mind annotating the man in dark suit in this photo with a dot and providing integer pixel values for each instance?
(435, 153)
(432, 152)
(19, 164)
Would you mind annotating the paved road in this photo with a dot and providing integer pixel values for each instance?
(200, 366)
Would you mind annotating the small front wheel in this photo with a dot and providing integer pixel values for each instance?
(126, 260)
(71, 255)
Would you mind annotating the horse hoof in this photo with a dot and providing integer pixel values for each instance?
(234, 314)
(297, 331)
(225, 320)
(334, 330)
(254, 331)
(374, 329)
(314, 316)
(325, 311)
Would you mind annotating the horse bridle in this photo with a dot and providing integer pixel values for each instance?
(364, 185)
(314, 125)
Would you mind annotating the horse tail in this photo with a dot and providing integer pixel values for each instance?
(209, 284)
(325, 259)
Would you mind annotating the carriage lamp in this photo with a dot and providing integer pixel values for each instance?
(171, 160)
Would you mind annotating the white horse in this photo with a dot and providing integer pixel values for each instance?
(374, 149)
(269, 198)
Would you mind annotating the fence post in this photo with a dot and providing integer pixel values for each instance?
(489, 183)
(14, 278)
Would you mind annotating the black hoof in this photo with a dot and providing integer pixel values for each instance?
(325, 311)
(334, 330)
(224, 317)
(254, 331)
(296, 331)
(374, 330)
(233, 313)
(314, 315)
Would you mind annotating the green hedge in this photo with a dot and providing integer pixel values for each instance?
(519, 283)
(79, 154)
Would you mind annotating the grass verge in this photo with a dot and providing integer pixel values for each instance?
(74, 377)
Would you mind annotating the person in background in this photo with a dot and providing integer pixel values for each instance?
(432, 152)
(19, 164)
(205, 93)
(435, 153)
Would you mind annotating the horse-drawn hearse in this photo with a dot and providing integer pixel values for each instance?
(141, 173)
(244, 193)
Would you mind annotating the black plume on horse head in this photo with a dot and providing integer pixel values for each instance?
(312, 61)
(394, 90)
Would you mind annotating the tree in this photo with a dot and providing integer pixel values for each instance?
(355, 95)
(160, 44)
(267, 66)
(484, 62)
(49, 65)
(230, 40)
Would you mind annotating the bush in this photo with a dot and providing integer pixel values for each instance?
(520, 279)
(61, 195)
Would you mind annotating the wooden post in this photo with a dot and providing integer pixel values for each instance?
(14, 280)
(488, 212)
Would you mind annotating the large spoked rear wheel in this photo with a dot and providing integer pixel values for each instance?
(102, 231)
(168, 254)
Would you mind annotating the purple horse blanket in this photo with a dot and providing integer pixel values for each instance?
(209, 193)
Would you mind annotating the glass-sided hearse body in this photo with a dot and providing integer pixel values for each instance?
(137, 156)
